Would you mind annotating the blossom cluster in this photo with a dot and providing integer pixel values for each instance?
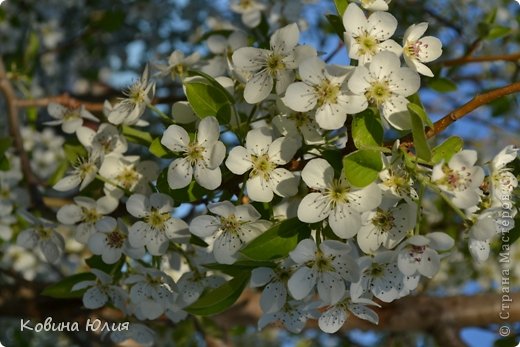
(268, 156)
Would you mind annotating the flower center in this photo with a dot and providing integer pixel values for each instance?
(128, 177)
(70, 114)
(367, 43)
(136, 94)
(299, 118)
(456, 180)
(115, 239)
(375, 270)
(274, 64)
(321, 262)
(378, 93)
(337, 192)
(44, 232)
(194, 152)
(327, 93)
(262, 166)
(84, 168)
(245, 4)
(412, 49)
(157, 219)
(383, 220)
(90, 215)
(230, 224)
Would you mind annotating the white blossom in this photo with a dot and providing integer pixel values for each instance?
(335, 199)
(70, 119)
(83, 173)
(384, 84)
(292, 316)
(178, 64)
(374, 5)
(418, 50)
(232, 227)
(274, 295)
(332, 319)
(326, 267)
(323, 87)
(201, 157)
(157, 225)
(262, 157)
(101, 291)
(105, 140)
(367, 37)
(460, 178)
(250, 10)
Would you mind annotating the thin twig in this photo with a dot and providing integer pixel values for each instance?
(462, 111)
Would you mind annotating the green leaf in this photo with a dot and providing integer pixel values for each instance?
(4, 163)
(73, 152)
(157, 149)
(218, 299)
(341, 6)
(239, 266)
(207, 100)
(59, 173)
(63, 288)
(497, 32)
(137, 136)
(419, 110)
(442, 85)
(5, 144)
(336, 23)
(447, 149)
(367, 130)
(96, 262)
(362, 167)
(278, 241)
(422, 148)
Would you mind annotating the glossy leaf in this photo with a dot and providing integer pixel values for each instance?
(362, 167)
(367, 130)
(447, 149)
(422, 148)
(63, 288)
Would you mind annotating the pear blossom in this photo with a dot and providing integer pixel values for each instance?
(191, 285)
(41, 235)
(323, 87)
(268, 66)
(101, 291)
(250, 10)
(152, 292)
(201, 157)
(384, 84)
(374, 5)
(110, 241)
(417, 255)
(418, 50)
(335, 198)
(460, 178)
(178, 64)
(223, 47)
(83, 173)
(387, 225)
(105, 140)
(396, 181)
(262, 157)
(128, 173)
(232, 227)
(293, 315)
(367, 37)
(298, 125)
(332, 319)
(70, 119)
(479, 249)
(11, 196)
(503, 181)
(157, 226)
(326, 267)
(87, 211)
(140, 333)
(380, 277)
(128, 110)
(274, 295)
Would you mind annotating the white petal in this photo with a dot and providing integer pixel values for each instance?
(260, 276)
(318, 174)
(359, 82)
(311, 71)
(430, 263)
(332, 320)
(384, 64)
(67, 183)
(238, 160)
(313, 208)
(246, 213)
(440, 241)
(258, 189)
(225, 248)
(204, 226)
(258, 140)
(300, 97)
(208, 131)
(405, 82)
(175, 138)
(354, 19)
(180, 173)
(283, 182)
(282, 150)
(94, 298)
(396, 112)
(224, 208)
(259, 87)
(69, 214)
(344, 221)
(209, 179)
(138, 205)
(382, 25)
(305, 251)
(414, 32)
(285, 39)
(365, 199)
(331, 288)
(273, 297)
(363, 312)
(302, 282)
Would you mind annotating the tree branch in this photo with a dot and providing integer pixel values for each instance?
(514, 57)
(9, 94)
(462, 111)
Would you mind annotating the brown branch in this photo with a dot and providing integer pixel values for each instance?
(9, 94)
(462, 111)
(514, 57)
(72, 102)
